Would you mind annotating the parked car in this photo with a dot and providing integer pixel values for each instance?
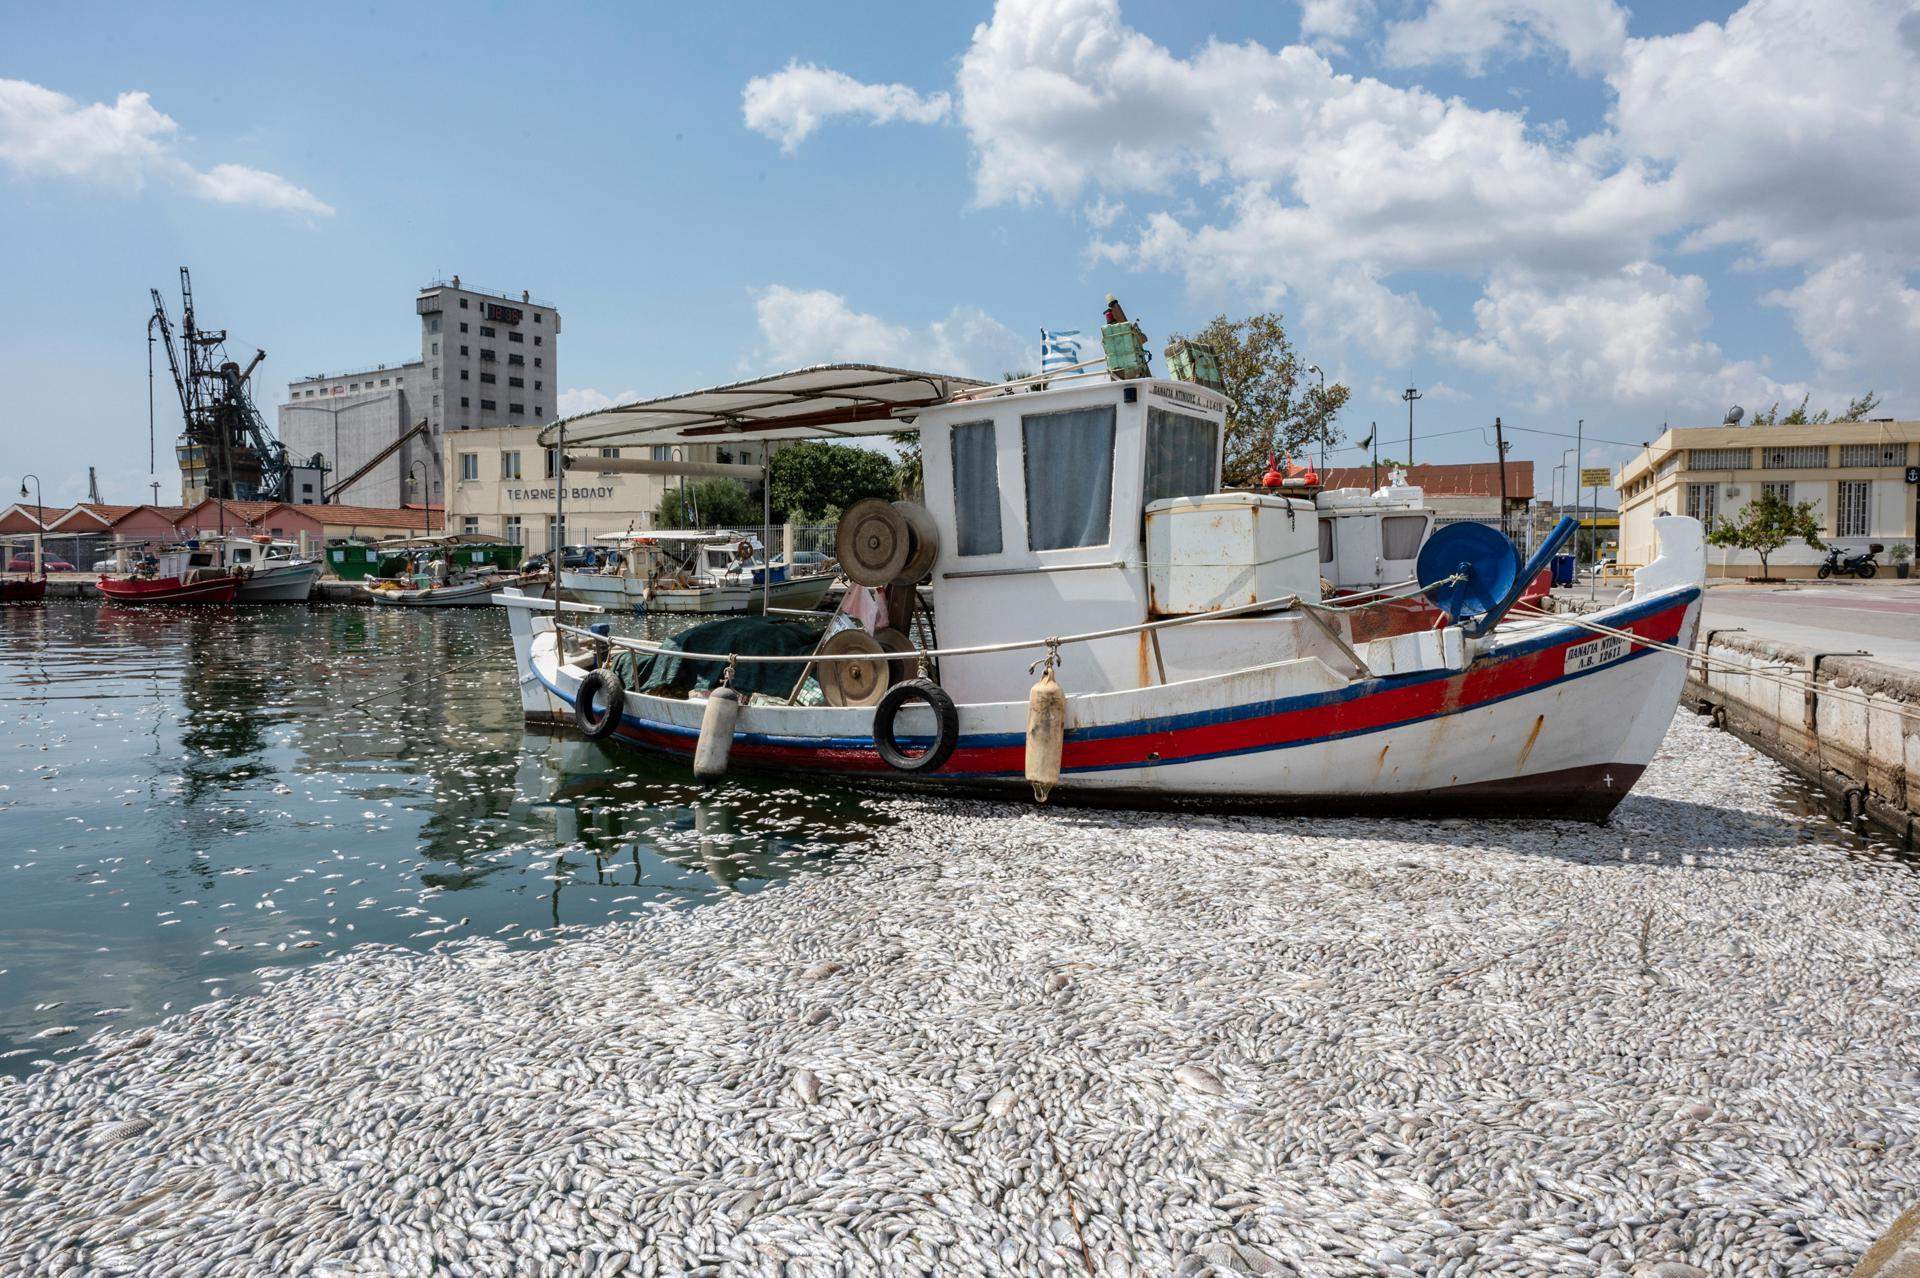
(571, 557)
(24, 563)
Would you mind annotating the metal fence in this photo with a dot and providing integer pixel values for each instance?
(78, 552)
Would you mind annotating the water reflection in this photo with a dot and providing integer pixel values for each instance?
(190, 795)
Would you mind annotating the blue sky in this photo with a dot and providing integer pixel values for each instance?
(1543, 209)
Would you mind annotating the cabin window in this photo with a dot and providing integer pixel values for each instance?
(1180, 455)
(1326, 541)
(1069, 465)
(1400, 536)
(976, 489)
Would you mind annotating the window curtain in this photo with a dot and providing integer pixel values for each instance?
(1069, 465)
(976, 489)
(1180, 455)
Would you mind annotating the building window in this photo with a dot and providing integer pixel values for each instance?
(516, 337)
(487, 356)
(536, 361)
(1719, 458)
(539, 411)
(436, 401)
(536, 339)
(469, 523)
(1873, 454)
(433, 325)
(435, 350)
(538, 384)
(463, 350)
(536, 317)
(469, 465)
(486, 330)
(610, 452)
(488, 378)
(1703, 503)
(516, 381)
(436, 372)
(556, 531)
(1851, 517)
(464, 376)
(517, 408)
(486, 406)
(516, 358)
(662, 452)
(510, 465)
(383, 381)
(553, 461)
(513, 531)
(463, 303)
(463, 326)
(1780, 491)
(1795, 457)
(464, 403)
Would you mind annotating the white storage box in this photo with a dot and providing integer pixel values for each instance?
(1417, 651)
(1228, 549)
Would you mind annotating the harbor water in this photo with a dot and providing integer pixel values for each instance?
(189, 796)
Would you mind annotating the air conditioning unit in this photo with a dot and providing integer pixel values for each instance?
(1733, 490)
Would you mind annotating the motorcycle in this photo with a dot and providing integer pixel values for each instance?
(1859, 564)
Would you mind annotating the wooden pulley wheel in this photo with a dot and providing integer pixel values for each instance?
(853, 683)
(872, 542)
(905, 666)
(924, 545)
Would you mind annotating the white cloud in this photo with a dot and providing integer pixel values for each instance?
(585, 399)
(1858, 312)
(1793, 128)
(1633, 339)
(790, 104)
(44, 133)
(1589, 32)
(1791, 132)
(1327, 22)
(799, 327)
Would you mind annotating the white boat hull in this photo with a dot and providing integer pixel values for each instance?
(289, 583)
(797, 592)
(470, 594)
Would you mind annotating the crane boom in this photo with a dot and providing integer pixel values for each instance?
(225, 449)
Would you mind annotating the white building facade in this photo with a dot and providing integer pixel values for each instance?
(487, 360)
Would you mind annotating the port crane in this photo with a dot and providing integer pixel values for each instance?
(224, 449)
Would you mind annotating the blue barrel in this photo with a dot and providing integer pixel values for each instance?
(1563, 569)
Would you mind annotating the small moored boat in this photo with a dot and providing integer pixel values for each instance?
(187, 574)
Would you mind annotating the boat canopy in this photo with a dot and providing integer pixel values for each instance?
(825, 400)
(677, 534)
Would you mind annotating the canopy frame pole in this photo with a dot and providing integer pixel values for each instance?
(766, 527)
(557, 553)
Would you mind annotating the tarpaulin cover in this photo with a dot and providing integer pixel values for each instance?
(748, 636)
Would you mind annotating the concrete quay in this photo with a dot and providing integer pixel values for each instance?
(1017, 1040)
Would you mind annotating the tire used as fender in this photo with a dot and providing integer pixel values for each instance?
(946, 731)
(597, 725)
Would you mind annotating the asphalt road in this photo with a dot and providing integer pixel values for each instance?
(1880, 616)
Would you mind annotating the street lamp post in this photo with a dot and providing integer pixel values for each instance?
(1315, 368)
(1410, 394)
(426, 501)
(40, 522)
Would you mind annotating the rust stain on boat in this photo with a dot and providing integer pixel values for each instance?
(1532, 737)
(1380, 763)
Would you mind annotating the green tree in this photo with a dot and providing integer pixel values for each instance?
(708, 503)
(1766, 524)
(814, 481)
(1857, 409)
(1276, 406)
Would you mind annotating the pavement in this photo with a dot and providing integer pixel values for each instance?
(1881, 617)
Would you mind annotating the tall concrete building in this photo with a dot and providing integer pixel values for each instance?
(487, 360)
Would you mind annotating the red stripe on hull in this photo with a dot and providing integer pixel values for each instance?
(1387, 708)
(170, 590)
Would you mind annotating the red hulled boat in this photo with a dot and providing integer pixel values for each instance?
(187, 574)
(22, 589)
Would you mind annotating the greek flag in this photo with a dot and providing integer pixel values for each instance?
(1059, 348)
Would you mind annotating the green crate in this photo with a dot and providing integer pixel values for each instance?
(1196, 363)
(1126, 349)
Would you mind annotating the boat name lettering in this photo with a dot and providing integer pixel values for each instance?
(546, 494)
(1595, 652)
(1181, 395)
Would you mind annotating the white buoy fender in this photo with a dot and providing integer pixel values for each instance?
(1046, 728)
(716, 734)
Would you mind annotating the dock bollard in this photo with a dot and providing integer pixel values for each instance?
(716, 734)
(1046, 730)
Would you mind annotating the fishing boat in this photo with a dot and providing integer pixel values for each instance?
(183, 574)
(1115, 628)
(22, 589)
(678, 570)
(270, 571)
(459, 570)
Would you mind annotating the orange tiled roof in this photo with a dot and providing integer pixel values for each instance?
(1453, 479)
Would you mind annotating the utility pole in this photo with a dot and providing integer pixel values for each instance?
(1321, 404)
(1500, 447)
(1410, 394)
(155, 485)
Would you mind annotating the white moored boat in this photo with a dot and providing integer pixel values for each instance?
(1080, 528)
(271, 571)
(692, 571)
